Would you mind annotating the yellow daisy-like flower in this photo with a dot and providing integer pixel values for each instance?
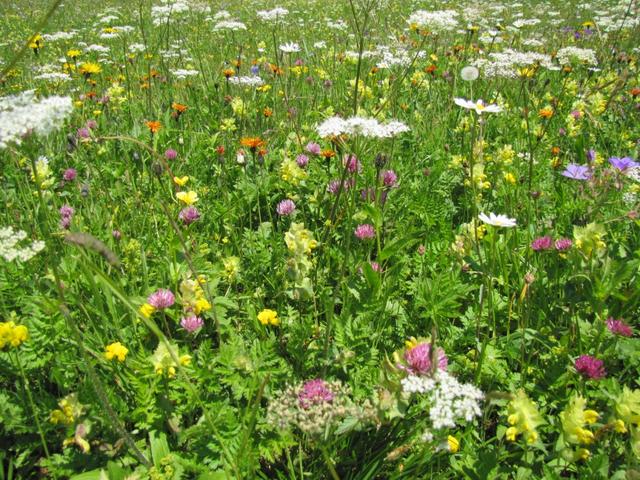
(181, 181)
(188, 198)
(268, 317)
(116, 350)
(146, 310)
(73, 53)
(90, 68)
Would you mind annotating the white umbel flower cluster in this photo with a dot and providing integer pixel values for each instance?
(182, 73)
(451, 401)
(232, 25)
(438, 21)
(566, 55)
(23, 114)
(11, 251)
(366, 127)
(247, 81)
(162, 14)
(272, 15)
(507, 63)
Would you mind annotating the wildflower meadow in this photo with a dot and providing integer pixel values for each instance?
(319, 239)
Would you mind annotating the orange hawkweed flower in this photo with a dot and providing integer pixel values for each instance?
(430, 69)
(252, 143)
(228, 72)
(154, 126)
(635, 91)
(555, 151)
(267, 112)
(328, 153)
(178, 107)
(546, 112)
(220, 150)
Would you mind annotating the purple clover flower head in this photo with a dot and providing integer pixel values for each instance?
(192, 324)
(419, 361)
(161, 299)
(91, 124)
(334, 185)
(302, 160)
(66, 211)
(577, 172)
(563, 244)
(116, 234)
(623, 163)
(170, 154)
(313, 148)
(542, 243)
(576, 114)
(590, 367)
(389, 178)
(365, 231)
(83, 133)
(352, 163)
(70, 174)
(285, 207)
(188, 215)
(314, 392)
(619, 327)
(375, 266)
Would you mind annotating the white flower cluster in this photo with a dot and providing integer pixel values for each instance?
(54, 37)
(584, 55)
(97, 49)
(229, 25)
(137, 47)
(247, 81)
(181, 73)
(272, 15)
(162, 14)
(23, 114)
(507, 63)
(10, 250)
(366, 127)
(291, 47)
(53, 77)
(451, 401)
(438, 21)
(339, 25)
(528, 22)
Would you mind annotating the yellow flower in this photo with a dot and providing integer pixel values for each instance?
(619, 426)
(574, 418)
(188, 198)
(146, 310)
(12, 334)
(510, 178)
(268, 317)
(628, 406)
(453, 443)
(523, 417)
(164, 362)
(70, 410)
(73, 53)
(116, 350)
(90, 68)
(181, 181)
(36, 42)
(201, 305)
(231, 267)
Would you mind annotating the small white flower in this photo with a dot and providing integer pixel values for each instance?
(479, 106)
(290, 47)
(497, 220)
